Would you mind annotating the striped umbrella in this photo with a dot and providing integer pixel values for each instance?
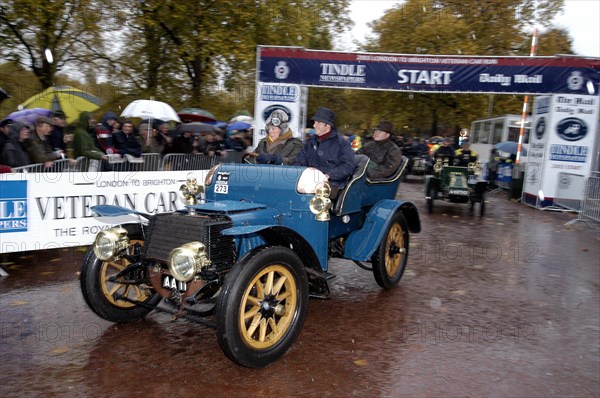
(70, 100)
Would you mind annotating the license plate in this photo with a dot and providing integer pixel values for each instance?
(171, 283)
(221, 188)
(458, 192)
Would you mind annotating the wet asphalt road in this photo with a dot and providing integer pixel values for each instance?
(504, 305)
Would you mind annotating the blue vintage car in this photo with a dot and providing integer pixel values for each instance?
(251, 247)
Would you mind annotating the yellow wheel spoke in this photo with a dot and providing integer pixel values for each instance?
(253, 311)
(260, 293)
(253, 300)
(253, 326)
(273, 325)
(284, 295)
(269, 283)
(278, 285)
(140, 294)
(118, 266)
(114, 290)
(263, 330)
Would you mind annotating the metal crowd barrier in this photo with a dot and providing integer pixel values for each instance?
(590, 204)
(147, 162)
(58, 166)
(591, 200)
(569, 191)
(188, 161)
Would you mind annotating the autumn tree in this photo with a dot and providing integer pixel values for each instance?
(48, 37)
(205, 51)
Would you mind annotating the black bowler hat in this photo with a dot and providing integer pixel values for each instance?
(324, 115)
(386, 126)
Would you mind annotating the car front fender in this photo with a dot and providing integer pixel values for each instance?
(362, 243)
(115, 211)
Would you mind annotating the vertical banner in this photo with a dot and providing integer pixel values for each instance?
(537, 150)
(563, 140)
(290, 98)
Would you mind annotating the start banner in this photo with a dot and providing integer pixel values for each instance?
(429, 73)
(53, 210)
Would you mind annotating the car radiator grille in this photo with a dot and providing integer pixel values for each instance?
(168, 231)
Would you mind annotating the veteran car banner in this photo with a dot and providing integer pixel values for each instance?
(53, 210)
(429, 73)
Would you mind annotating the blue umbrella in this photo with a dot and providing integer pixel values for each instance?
(220, 125)
(29, 115)
(238, 126)
(510, 147)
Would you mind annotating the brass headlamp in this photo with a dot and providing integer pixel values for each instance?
(320, 203)
(186, 261)
(110, 243)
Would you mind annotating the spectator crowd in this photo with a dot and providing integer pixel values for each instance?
(50, 139)
(113, 139)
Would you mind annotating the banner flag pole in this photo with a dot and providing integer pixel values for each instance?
(526, 100)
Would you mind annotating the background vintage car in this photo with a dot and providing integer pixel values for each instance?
(252, 246)
(455, 184)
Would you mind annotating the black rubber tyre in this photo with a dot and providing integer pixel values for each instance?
(389, 260)
(262, 306)
(430, 195)
(482, 205)
(98, 291)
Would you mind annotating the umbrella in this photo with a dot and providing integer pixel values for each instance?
(197, 115)
(68, 99)
(510, 147)
(238, 126)
(150, 109)
(242, 118)
(3, 94)
(154, 123)
(197, 127)
(220, 125)
(29, 116)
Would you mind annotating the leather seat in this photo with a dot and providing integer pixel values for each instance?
(360, 172)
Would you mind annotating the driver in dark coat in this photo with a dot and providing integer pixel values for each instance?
(445, 151)
(465, 154)
(384, 154)
(328, 152)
